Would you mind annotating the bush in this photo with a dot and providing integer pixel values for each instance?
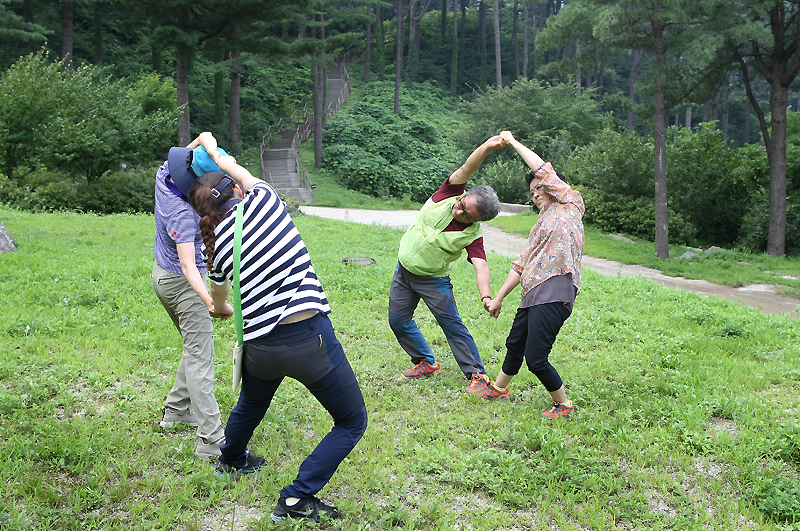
(78, 120)
(755, 223)
(507, 179)
(375, 152)
(634, 216)
(111, 194)
(542, 116)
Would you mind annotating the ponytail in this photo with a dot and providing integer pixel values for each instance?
(208, 200)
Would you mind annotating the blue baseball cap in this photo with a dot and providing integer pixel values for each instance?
(186, 164)
(202, 161)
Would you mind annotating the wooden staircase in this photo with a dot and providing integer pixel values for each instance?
(279, 164)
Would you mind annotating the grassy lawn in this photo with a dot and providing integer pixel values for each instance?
(732, 268)
(688, 406)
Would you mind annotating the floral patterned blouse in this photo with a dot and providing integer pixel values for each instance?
(555, 244)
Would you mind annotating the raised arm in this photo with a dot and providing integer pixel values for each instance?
(238, 173)
(533, 160)
(207, 140)
(474, 161)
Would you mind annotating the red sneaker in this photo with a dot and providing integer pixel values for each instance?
(477, 385)
(559, 410)
(421, 370)
(488, 391)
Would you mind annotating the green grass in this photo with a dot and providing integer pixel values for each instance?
(731, 268)
(688, 406)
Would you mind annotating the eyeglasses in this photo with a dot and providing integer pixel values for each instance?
(464, 213)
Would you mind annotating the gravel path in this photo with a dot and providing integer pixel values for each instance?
(762, 296)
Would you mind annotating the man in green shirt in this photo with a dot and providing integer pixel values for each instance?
(445, 226)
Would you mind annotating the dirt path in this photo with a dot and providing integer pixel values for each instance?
(762, 296)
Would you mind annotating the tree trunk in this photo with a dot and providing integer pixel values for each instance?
(27, 10)
(634, 73)
(380, 37)
(660, 144)
(776, 236)
(726, 108)
(234, 113)
(454, 52)
(319, 94)
(535, 32)
(182, 85)
(688, 122)
(483, 77)
(98, 34)
(578, 67)
(498, 65)
(66, 33)
(514, 39)
(444, 19)
(525, 42)
(410, 74)
(462, 48)
(398, 65)
(368, 49)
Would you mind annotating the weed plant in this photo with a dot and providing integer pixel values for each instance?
(687, 406)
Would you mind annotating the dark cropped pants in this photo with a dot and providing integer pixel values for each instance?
(531, 338)
(309, 352)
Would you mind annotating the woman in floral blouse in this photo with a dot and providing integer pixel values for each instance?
(550, 273)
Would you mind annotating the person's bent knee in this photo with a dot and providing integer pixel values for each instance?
(397, 322)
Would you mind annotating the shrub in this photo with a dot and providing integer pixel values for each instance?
(542, 116)
(634, 216)
(375, 152)
(78, 120)
(113, 193)
(508, 180)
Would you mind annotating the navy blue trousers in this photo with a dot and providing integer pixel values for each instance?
(309, 352)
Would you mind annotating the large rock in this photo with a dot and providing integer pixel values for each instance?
(6, 243)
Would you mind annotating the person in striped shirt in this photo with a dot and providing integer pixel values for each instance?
(287, 331)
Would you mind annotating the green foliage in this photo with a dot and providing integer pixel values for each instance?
(376, 152)
(709, 183)
(81, 122)
(507, 178)
(23, 110)
(779, 497)
(116, 192)
(611, 212)
(543, 116)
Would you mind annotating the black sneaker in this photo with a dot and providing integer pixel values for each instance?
(253, 463)
(308, 508)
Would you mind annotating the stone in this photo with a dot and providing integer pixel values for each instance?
(686, 256)
(6, 243)
(620, 238)
(359, 261)
(714, 249)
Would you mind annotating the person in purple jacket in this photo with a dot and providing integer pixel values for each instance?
(179, 282)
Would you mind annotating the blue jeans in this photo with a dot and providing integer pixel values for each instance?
(437, 292)
(309, 352)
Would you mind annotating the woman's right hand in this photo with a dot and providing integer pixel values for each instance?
(225, 313)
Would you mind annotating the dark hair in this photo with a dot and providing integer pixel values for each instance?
(209, 207)
(532, 175)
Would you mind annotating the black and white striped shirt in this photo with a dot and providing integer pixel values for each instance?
(277, 278)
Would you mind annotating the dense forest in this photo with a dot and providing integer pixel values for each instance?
(676, 119)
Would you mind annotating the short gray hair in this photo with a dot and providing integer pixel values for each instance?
(486, 201)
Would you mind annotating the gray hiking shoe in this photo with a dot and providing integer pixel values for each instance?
(206, 450)
(172, 417)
